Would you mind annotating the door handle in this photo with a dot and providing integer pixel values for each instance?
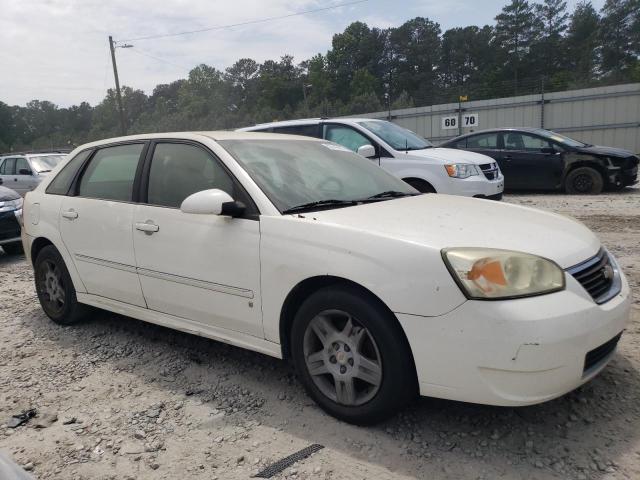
(70, 214)
(508, 157)
(147, 227)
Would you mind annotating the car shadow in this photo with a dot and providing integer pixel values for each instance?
(584, 432)
(6, 259)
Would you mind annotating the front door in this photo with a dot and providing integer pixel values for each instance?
(96, 224)
(204, 268)
(25, 179)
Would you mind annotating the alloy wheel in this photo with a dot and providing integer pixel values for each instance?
(51, 287)
(583, 183)
(342, 358)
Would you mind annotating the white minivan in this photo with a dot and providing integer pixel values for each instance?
(402, 153)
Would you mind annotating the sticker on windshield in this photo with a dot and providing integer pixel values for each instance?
(339, 148)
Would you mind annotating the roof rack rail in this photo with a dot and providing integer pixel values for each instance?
(44, 150)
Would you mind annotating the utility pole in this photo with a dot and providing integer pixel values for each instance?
(112, 47)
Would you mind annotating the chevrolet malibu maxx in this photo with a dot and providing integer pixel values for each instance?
(301, 249)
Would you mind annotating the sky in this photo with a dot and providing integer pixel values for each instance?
(58, 50)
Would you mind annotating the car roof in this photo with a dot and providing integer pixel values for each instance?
(308, 121)
(500, 129)
(214, 135)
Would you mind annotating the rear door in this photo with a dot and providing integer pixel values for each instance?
(96, 223)
(530, 161)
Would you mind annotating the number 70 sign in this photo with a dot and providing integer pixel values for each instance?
(469, 120)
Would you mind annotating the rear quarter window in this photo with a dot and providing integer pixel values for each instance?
(62, 183)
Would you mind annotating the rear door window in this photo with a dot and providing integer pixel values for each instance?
(8, 167)
(111, 173)
(487, 141)
(62, 183)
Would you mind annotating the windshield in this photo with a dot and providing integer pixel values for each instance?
(297, 172)
(46, 163)
(397, 137)
(569, 142)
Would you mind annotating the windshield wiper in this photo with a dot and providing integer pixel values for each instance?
(320, 204)
(390, 194)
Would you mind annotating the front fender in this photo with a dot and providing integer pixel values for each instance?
(406, 276)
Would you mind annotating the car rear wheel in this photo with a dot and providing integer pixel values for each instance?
(421, 185)
(585, 181)
(13, 248)
(351, 356)
(55, 289)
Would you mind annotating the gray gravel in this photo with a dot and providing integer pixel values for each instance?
(136, 401)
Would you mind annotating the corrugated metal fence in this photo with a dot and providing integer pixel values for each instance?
(601, 116)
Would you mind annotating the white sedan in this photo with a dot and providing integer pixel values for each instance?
(301, 249)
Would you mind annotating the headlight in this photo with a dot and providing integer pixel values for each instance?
(462, 170)
(487, 274)
(10, 205)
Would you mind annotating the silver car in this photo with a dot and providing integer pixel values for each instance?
(23, 172)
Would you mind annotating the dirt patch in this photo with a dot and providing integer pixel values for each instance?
(137, 401)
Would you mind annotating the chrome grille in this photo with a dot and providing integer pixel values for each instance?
(599, 276)
(490, 170)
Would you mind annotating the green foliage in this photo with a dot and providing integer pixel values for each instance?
(533, 45)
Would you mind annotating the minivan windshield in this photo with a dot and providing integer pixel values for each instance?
(569, 142)
(397, 137)
(313, 174)
(46, 163)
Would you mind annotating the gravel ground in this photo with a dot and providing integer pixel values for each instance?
(137, 401)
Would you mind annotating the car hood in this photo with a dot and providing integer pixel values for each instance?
(608, 151)
(6, 194)
(449, 155)
(444, 221)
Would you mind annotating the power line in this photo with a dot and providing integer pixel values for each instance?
(147, 54)
(250, 22)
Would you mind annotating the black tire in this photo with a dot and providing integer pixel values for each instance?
(13, 248)
(421, 185)
(584, 181)
(50, 267)
(398, 384)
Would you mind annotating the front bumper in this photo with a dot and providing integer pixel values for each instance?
(9, 228)
(477, 186)
(515, 352)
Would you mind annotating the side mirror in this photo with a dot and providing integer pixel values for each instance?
(367, 151)
(24, 171)
(212, 202)
(549, 150)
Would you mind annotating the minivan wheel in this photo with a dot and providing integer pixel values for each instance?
(13, 248)
(584, 180)
(55, 289)
(420, 185)
(351, 356)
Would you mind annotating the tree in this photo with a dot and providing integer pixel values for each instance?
(516, 29)
(582, 42)
(414, 55)
(619, 51)
(548, 51)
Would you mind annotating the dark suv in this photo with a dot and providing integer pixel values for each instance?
(537, 159)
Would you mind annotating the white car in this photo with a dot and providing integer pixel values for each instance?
(23, 172)
(301, 249)
(402, 153)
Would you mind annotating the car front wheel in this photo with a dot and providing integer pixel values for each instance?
(351, 356)
(55, 289)
(585, 181)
